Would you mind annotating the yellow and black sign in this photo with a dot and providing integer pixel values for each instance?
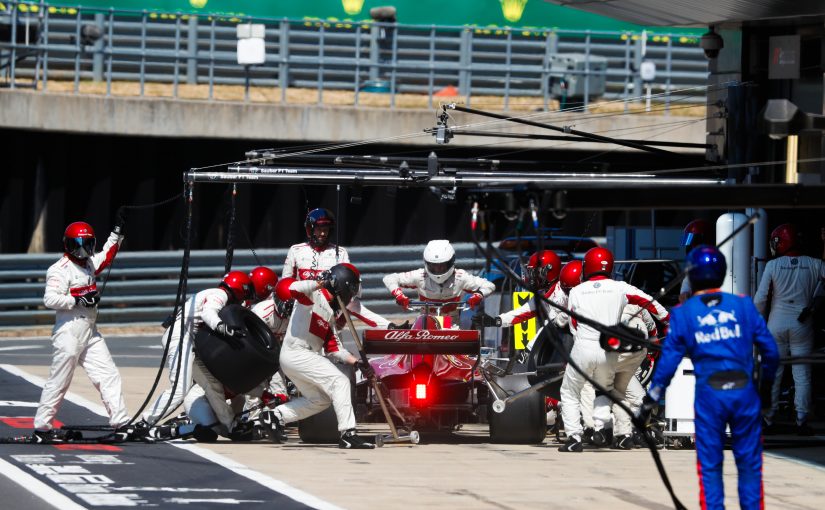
(523, 332)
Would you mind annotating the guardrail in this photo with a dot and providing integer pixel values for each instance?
(141, 286)
(41, 43)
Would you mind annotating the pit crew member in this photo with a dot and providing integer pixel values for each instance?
(311, 330)
(72, 292)
(201, 310)
(789, 282)
(718, 331)
(306, 261)
(439, 281)
(601, 299)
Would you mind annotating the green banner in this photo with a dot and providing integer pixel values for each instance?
(484, 13)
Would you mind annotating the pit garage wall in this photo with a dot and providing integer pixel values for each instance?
(49, 179)
(733, 110)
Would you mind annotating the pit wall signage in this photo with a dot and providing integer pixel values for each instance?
(525, 331)
(529, 14)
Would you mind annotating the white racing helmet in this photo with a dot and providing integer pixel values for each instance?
(439, 260)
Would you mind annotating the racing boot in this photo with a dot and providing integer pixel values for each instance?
(245, 431)
(204, 434)
(271, 427)
(587, 436)
(350, 440)
(624, 442)
(573, 444)
(803, 429)
(769, 428)
(602, 438)
(51, 436)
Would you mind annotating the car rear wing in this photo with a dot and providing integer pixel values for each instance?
(421, 341)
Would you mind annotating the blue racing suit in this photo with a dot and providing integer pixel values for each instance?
(717, 331)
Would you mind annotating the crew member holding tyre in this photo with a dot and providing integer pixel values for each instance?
(200, 310)
(275, 314)
(601, 299)
(718, 332)
(310, 334)
(71, 290)
(439, 281)
(306, 261)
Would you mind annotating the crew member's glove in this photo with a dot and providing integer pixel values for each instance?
(365, 368)
(482, 320)
(120, 222)
(474, 300)
(402, 300)
(766, 393)
(284, 308)
(405, 325)
(273, 399)
(648, 406)
(87, 300)
(224, 329)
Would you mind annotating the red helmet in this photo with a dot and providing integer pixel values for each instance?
(696, 232)
(282, 288)
(543, 268)
(238, 284)
(571, 275)
(597, 261)
(318, 218)
(263, 281)
(79, 240)
(785, 240)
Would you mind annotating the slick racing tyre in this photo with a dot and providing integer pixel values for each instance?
(239, 363)
(544, 352)
(322, 428)
(523, 421)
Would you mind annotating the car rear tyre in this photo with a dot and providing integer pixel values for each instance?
(523, 421)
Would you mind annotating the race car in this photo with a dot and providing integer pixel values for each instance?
(435, 381)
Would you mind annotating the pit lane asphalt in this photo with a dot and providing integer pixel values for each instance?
(460, 471)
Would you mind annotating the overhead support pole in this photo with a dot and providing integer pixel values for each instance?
(586, 192)
(460, 179)
(532, 136)
(566, 130)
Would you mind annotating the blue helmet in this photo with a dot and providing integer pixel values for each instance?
(706, 267)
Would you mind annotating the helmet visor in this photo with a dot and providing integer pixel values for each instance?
(439, 268)
(81, 247)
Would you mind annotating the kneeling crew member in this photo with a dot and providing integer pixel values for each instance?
(311, 330)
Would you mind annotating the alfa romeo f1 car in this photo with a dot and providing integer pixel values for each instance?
(436, 381)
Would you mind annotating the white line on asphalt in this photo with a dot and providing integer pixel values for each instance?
(118, 335)
(38, 488)
(19, 347)
(267, 481)
(794, 460)
(17, 403)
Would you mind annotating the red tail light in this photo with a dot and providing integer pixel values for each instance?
(420, 391)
